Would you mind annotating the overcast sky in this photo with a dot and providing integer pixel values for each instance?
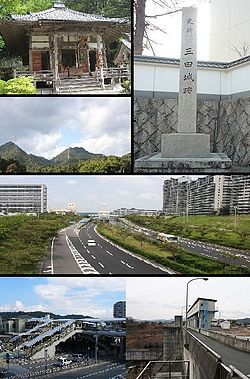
(169, 43)
(94, 193)
(163, 298)
(87, 296)
(46, 126)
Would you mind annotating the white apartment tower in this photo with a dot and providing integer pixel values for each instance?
(229, 29)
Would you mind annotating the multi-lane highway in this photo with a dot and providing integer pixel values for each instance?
(101, 370)
(71, 254)
(225, 254)
(230, 356)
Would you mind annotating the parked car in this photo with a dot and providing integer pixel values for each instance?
(77, 357)
(63, 361)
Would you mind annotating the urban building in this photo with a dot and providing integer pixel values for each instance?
(241, 194)
(201, 313)
(119, 310)
(14, 325)
(23, 198)
(219, 194)
(135, 211)
(229, 29)
(71, 208)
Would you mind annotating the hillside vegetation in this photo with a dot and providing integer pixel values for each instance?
(217, 229)
(24, 241)
(72, 160)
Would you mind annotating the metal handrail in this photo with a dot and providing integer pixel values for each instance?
(237, 372)
(150, 362)
(219, 358)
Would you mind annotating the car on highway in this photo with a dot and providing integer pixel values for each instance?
(91, 243)
(167, 237)
(63, 361)
(77, 357)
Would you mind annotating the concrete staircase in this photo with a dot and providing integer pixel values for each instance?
(81, 85)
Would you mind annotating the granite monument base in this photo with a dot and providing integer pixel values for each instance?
(212, 163)
(185, 145)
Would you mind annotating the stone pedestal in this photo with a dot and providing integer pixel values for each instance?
(185, 145)
(212, 163)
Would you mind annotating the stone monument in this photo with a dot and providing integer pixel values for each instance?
(186, 150)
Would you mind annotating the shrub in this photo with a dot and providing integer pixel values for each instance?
(2, 85)
(20, 86)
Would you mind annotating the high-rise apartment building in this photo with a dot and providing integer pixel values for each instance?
(119, 310)
(207, 195)
(23, 198)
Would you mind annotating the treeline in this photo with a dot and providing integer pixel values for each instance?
(11, 166)
(108, 8)
(106, 165)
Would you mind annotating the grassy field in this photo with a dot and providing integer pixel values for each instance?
(170, 255)
(24, 241)
(217, 229)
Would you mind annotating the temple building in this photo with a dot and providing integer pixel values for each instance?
(62, 42)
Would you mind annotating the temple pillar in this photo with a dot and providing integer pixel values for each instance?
(100, 58)
(30, 52)
(56, 61)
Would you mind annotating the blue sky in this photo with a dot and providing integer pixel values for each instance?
(46, 126)
(87, 296)
(98, 192)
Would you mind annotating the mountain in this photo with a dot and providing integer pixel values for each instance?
(10, 151)
(71, 155)
(36, 314)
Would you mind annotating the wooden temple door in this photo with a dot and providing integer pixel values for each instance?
(36, 61)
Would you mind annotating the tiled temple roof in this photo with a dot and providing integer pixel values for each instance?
(62, 13)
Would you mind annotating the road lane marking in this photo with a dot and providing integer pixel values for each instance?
(101, 265)
(93, 256)
(52, 255)
(85, 267)
(109, 253)
(123, 262)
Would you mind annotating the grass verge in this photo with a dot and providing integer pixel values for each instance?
(215, 229)
(24, 241)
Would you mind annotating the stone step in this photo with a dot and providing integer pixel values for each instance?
(88, 84)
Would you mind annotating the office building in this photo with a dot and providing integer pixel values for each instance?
(23, 198)
(201, 313)
(119, 310)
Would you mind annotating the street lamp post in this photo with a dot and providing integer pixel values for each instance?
(187, 300)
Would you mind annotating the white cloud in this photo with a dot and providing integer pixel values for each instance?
(19, 306)
(78, 295)
(47, 126)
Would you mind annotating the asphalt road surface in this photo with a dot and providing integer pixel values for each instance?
(70, 254)
(214, 251)
(230, 356)
(102, 370)
(221, 253)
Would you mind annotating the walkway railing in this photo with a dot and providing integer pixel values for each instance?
(170, 368)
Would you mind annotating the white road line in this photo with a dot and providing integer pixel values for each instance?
(93, 256)
(109, 253)
(88, 251)
(52, 255)
(101, 265)
(85, 268)
(123, 262)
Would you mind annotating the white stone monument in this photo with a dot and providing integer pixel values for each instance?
(186, 150)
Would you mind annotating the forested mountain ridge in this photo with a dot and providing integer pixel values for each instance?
(72, 160)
